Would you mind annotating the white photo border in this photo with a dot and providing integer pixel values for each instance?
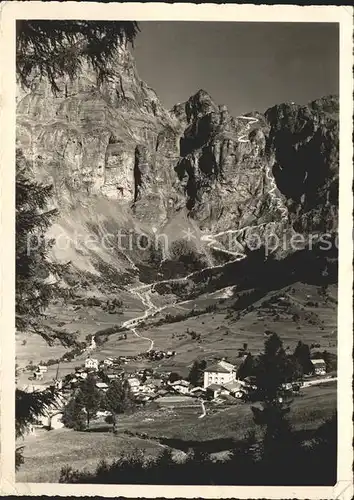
(9, 13)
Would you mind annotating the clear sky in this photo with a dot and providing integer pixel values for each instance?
(247, 66)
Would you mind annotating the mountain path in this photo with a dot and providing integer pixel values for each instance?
(143, 292)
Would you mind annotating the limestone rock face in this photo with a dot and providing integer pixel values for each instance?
(303, 145)
(94, 139)
(114, 141)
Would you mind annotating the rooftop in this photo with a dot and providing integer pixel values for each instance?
(101, 385)
(233, 385)
(318, 361)
(181, 382)
(220, 367)
(214, 387)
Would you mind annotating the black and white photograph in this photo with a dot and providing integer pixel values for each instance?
(176, 250)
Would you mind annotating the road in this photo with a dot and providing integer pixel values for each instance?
(143, 292)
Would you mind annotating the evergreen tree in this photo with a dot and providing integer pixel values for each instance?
(90, 398)
(303, 355)
(57, 48)
(73, 415)
(173, 377)
(273, 370)
(247, 368)
(195, 376)
(37, 278)
(118, 399)
(49, 49)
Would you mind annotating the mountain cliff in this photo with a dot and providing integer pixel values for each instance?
(118, 159)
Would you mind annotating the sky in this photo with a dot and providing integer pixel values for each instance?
(247, 66)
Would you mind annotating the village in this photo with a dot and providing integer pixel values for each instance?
(218, 383)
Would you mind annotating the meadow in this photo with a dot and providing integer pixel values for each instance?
(178, 427)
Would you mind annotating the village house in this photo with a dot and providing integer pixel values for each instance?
(234, 388)
(91, 364)
(81, 373)
(197, 392)
(219, 373)
(319, 366)
(181, 386)
(108, 362)
(213, 391)
(37, 375)
(102, 386)
(134, 384)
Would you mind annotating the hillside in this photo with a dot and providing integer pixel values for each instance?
(122, 164)
(198, 185)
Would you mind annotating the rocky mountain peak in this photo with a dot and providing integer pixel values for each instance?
(114, 141)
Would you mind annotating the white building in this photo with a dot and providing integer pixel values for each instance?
(108, 362)
(134, 384)
(102, 386)
(93, 343)
(181, 386)
(91, 364)
(219, 373)
(38, 375)
(319, 366)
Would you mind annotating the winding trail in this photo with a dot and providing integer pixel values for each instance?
(203, 409)
(143, 292)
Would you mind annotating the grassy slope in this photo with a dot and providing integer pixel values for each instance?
(48, 452)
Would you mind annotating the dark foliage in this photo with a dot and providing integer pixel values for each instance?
(311, 460)
(37, 278)
(195, 376)
(118, 399)
(247, 368)
(31, 405)
(73, 415)
(303, 355)
(57, 48)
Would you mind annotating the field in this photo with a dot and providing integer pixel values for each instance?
(179, 428)
(223, 335)
(299, 312)
(79, 322)
(48, 451)
(222, 332)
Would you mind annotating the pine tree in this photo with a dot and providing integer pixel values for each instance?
(90, 398)
(303, 355)
(73, 415)
(57, 48)
(173, 377)
(195, 376)
(118, 399)
(50, 49)
(247, 367)
(273, 370)
(37, 278)
(33, 289)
